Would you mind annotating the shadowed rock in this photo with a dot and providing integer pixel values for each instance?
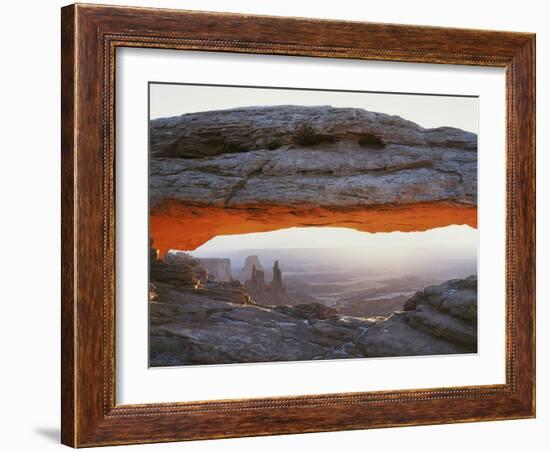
(237, 130)
(322, 156)
(179, 269)
(218, 323)
(256, 283)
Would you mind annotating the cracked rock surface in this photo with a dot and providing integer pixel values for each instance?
(214, 325)
(441, 319)
(316, 156)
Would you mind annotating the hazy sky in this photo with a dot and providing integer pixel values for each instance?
(428, 111)
(451, 241)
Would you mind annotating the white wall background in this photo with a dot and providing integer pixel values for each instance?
(29, 187)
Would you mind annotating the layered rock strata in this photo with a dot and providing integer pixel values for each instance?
(219, 323)
(438, 320)
(178, 269)
(264, 168)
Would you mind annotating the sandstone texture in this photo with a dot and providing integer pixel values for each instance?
(195, 327)
(221, 323)
(178, 269)
(298, 163)
(438, 320)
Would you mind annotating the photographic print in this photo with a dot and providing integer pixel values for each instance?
(301, 224)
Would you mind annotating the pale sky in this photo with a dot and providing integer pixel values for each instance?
(450, 241)
(428, 111)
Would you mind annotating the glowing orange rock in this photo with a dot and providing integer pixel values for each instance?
(187, 227)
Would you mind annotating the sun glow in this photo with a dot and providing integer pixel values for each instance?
(459, 241)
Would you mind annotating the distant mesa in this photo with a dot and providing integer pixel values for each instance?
(277, 282)
(219, 269)
(249, 264)
(179, 269)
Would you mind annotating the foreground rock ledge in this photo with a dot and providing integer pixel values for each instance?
(220, 324)
(284, 166)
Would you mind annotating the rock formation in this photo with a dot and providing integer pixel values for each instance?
(177, 268)
(192, 326)
(256, 283)
(438, 320)
(219, 269)
(277, 283)
(273, 293)
(218, 323)
(249, 263)
(309, 311)
(264, 168)
(182, 272)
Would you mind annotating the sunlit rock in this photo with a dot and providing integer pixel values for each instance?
(264, 168)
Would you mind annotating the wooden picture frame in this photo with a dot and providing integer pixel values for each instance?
(90, 36)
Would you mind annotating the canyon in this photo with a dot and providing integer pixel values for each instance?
(215, 177)
(195, 320)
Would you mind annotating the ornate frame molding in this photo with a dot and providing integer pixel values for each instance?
(90, 37)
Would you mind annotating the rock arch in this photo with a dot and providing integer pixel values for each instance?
(259, 169)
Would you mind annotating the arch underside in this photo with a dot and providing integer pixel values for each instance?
(182, 227)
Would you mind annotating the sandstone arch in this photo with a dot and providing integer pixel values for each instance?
(265, 168)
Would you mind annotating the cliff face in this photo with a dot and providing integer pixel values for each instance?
(179, 269)
(273, 293)
(250, 263)
(263, 168)
(438, 320)
(233, 131)
(219, 269)
(256, 283)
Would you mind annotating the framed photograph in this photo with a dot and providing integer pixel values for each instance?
(281, 225)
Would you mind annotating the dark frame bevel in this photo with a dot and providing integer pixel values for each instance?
(90, 36)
